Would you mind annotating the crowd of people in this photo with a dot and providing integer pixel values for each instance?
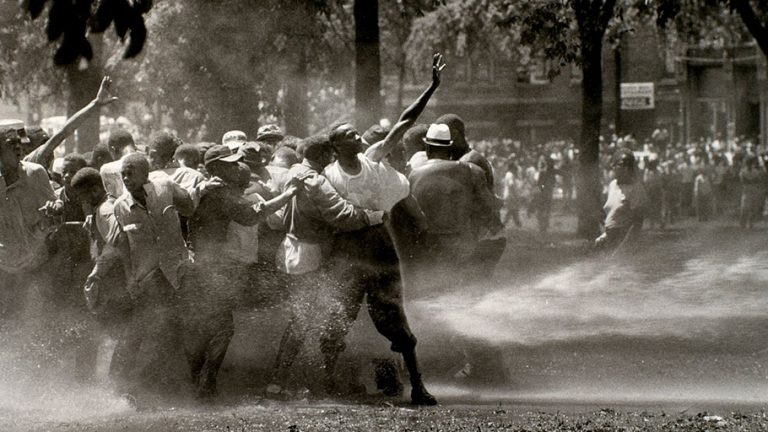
(704, 180)
(156, 244)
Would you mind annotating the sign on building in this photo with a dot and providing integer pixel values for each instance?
(637, 96)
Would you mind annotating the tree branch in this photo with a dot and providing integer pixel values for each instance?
(752, 22)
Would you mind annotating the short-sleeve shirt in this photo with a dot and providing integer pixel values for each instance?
(153, 231)
(105, 222)
(185, 177)
(377, 186)
(23, 229)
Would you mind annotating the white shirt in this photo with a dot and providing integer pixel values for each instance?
(377, 186)
(111, 176)
(623, 202)
(417, 160)
(242, 243)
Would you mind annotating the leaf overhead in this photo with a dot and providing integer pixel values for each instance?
(137, 39)
(69, 22)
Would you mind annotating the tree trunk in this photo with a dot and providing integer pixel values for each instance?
(295, 111)
(592, 17)
(237, 108)
(83, 85)
(588, 186)
(618, 127)
(400, 84)
(367, 64)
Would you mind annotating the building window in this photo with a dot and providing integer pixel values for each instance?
(535, 70)
(577, 74)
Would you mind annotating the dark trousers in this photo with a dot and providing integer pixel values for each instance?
(48, 301)
(364, 265)
(207, 298)
(144, 356)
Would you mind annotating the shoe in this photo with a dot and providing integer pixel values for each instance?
(420, 396)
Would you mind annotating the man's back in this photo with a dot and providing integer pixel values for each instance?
(447, 192)
(474, 157)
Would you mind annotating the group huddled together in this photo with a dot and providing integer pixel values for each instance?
(158, 243)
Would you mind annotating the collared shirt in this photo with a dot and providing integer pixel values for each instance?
(377, 186)
(153, 231)
(106, 227)
(23, 229)
(104, 236)
(185, 177)
(190, 180)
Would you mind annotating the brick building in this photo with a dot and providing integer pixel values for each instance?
(696, 92)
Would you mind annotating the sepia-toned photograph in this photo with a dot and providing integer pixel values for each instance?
(383, 215)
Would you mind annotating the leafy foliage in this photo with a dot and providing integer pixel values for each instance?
(25, 65)
(70, 21)
(226, 64)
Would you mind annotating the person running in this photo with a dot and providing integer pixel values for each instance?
(541, 202)
(752, 177)
(626, 205)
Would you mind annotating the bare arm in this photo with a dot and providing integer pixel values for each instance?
(381, 149)
(249, 215)
(102, 99)
(278, 202)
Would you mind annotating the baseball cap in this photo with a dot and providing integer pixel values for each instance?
(269, 131)
(254, 153)
(221, 153)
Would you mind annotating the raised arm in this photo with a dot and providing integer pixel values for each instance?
(381, 149)
(102, 99)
